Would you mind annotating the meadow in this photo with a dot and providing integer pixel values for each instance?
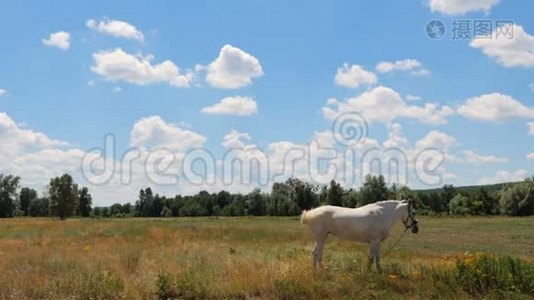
(259, 257)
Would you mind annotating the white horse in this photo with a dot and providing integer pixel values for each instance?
(369, 224)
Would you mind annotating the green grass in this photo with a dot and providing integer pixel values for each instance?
(259, 257)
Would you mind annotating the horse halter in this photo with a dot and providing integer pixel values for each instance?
(409, 217)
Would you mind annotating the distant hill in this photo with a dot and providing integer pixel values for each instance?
(471, 188)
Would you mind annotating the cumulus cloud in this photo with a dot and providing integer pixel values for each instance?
(383, 104)
(60, 39)
(116, 28)
(436, 139)
(505, 176)
(36, 158)
(412, 66)
(236, 139)
(474, 158)
(456, 7)
(33, 155)
(412, 97)
(15, 138)
(2, 92)
(494, 107)
(530, 156)
(153, 132)
(354, 76)
(118, 65)
(233, 68)
(517, 51)
(238, 106)
(395, 137)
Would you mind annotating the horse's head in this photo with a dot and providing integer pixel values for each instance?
(408, 217)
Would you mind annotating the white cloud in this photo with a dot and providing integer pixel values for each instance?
(153, 132)
(233, 68)
(530, 156)
(117, 89)
(236, 139)
(436, 139)
(454, 7)
(407, 65)
(2, 92)
(515, 52)
(116, 28)
(494, 107)
(412, 98)
(505, 176)
(60, 39)
(395, 137)
(530, 128)
(14, 138)
(450, 176)
(238, 106)
(33, 155)
(474, 158)
(354, 76)
(383, 104)
(117, 65)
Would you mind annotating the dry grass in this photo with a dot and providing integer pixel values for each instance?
(235, 258)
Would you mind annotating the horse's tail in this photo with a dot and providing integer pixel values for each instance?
(304, 217)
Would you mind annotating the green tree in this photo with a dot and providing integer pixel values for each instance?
(96, 212)
(435, 203)
(144, 204)
(26, 195)
(518, 199)
(335, 194)
(350, 198)
(115, 210)
(8, 195)
(489, 204)
(280, 203)
(374, 189)
(84, 202)
(255, 203)
(459, 205)
(63, 196)
(166, 212)
(223, 198)
(303, 193)
(38, 207)
(447, 193)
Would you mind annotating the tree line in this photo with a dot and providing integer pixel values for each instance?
(63, 198)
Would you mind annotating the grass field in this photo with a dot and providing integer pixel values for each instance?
(242, 258)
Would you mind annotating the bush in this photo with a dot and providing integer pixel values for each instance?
(187, 285)
(164, 286)
(482, 274)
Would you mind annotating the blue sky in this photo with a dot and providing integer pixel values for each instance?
(275, 63)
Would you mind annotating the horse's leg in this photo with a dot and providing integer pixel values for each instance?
(371, 257)
(377, 258)
(374, 247)
(320, 245)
